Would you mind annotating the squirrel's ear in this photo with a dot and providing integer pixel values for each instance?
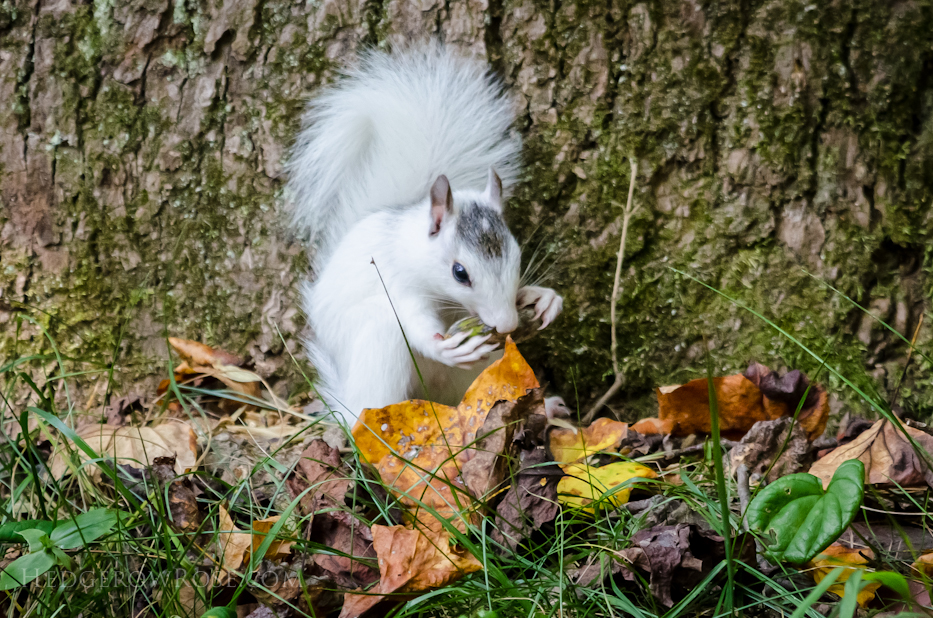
(442, 203)
(493, 192)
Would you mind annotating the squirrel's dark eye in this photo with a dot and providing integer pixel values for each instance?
(460, 274)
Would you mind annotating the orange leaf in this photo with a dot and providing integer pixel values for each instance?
(236, 545)
(411, 561)
(837, 555)
(604, 434)
(687, 406)
(419, 447)
(653, 426)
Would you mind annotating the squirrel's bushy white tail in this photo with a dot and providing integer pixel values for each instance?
(381, 135)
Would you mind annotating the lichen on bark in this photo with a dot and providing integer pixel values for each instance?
(783, 146)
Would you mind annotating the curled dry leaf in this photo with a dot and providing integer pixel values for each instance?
(232, 542)
(182, 496)
(199, 358)
(584, 485)
(137, 447)
(195, 354)
(676, 558)
(419, 448)
(888, 456)
(782, 395)
(235, 545)
(568, 446)
(411, 561)
(684, 409)
(767, 441)
(837, 555)
(332, 524)
(530, 502)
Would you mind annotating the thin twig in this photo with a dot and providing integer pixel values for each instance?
(627, 215)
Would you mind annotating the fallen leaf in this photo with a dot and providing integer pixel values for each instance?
(888, 456)
(196, 353)
(233, 542)
(530, 502)
(767, 440)
(651, 426)
(411, 561)
(199, 358)
(486, 469)
(850, 559)
(278, 548)
(739, 400)
(332, 523)
(676, 558)
(568, 446)
(924, 565)
(896, 541)
(782, 395)
(182, 498)
(119, 407)
(137, 447)
(419, 448)
(742, 400)
(585, 484)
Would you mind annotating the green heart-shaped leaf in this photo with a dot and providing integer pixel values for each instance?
(798, 520)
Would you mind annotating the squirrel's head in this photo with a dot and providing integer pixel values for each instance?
(480, 262)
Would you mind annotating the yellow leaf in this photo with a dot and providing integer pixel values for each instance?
(604, 434)
(420, 448)
(837, 555)
(584, 484)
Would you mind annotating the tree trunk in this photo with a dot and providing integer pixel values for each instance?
(783, 147)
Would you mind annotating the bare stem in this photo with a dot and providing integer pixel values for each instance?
(627, 215)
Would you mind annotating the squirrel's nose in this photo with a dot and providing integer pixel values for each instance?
(507, 324)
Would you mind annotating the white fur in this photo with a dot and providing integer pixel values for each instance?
(361, 175)
(379, 137)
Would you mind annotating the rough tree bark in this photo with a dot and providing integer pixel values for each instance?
(141, 149)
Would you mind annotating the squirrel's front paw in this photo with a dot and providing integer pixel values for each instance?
(458, 351)
(548, 304)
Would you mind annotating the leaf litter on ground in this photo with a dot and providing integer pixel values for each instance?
(500, 453)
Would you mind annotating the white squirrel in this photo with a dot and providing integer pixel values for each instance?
(397, 172)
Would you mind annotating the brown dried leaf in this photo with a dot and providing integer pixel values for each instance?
(235, 545)
(675, 558)
(783, 394)
(332, 524)
(765, 441)
(182, 497)
(137, 447)
(486, 470)
(531, 502)
(411, 561)
(233, 542)
(888, 456)
(195, 353)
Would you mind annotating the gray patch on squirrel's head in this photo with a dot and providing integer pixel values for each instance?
(483, 229)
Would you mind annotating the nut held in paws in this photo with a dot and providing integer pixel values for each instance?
(527, 327)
